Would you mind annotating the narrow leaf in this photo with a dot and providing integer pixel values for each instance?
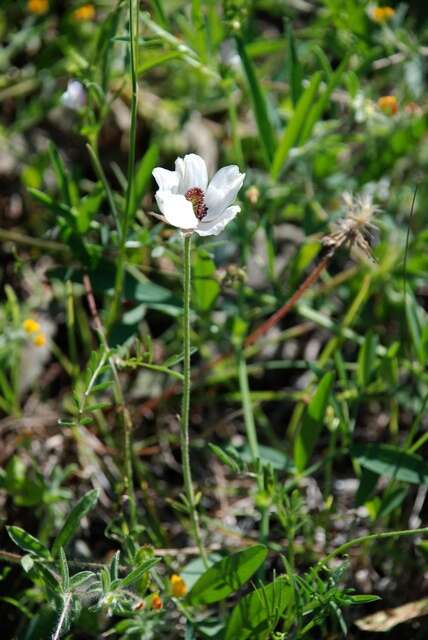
(391, 462)
(313, 420)
(293, 67)
(321, 104)
(257, 614)
(27, 542)
(227, 576)
(138, 572)
(260, 105)
(72, 523)
(290, 136)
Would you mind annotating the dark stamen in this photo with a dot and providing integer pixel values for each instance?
(195, 195)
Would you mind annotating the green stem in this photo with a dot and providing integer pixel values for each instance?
(372, 536)
(129, 200)
(247, 408)
(185, 407)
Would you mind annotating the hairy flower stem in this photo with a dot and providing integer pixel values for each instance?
(185, 407)
(62, 622)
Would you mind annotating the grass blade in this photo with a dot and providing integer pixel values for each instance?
(260, 105)
(291, 135)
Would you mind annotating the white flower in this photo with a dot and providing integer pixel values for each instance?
(75, 97)
(188, 202)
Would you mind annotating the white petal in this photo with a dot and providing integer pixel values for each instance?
(167, 180)
(177, 210)
(216, 226)
(222, 190)
(192, 171)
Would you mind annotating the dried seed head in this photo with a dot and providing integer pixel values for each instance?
(354, 228)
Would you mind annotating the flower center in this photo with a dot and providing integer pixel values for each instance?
(195, 195)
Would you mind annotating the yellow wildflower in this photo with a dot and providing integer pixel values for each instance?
(382, 14)
(178, 586)
(388, 104)
(30, 326)
(157, 602)
(39, 340)
(84, 13)
(39, 7)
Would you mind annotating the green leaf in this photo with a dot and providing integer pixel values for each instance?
(143, 173)
(60, 172)
(137, 573)
(313, 419)
(260, 105)
(293, 67)
(227, 576)
(65, 574)
(318, 108)
(257, 614)
(415, 317)
(88, 207)
(362, 599)
(294, 128)
(205, 287)
(224, 457)
(367, 359)
(80, 578)
(53, 205)
(85, 504)
(159, 59)
(368, 482)
(27, 542)
(392, 462)
(27, 563)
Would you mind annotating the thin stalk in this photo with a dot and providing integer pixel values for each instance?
(129, 199)
(185, 407)
(71, 327)
(126, 422)
(247, 408)
(362, 539)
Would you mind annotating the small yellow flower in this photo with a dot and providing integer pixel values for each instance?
(30, 326)
(157, 602)
(39, 340)
(388, 104)
(39, 7)
(84, 13)
(382, 14)
(178, 586)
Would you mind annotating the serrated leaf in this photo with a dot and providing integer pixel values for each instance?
(72, 522)
(227, 576)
